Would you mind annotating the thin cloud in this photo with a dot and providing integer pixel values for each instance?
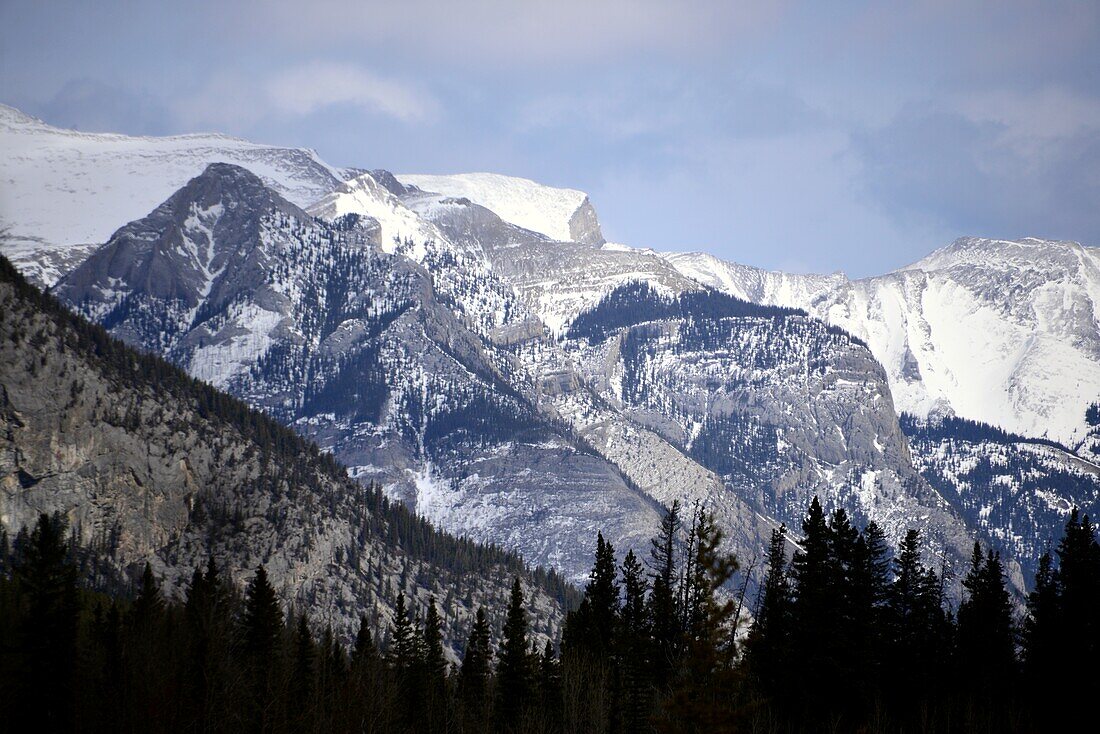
(561, 33)
(315, 86)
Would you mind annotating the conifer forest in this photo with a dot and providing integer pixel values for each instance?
(845, 635)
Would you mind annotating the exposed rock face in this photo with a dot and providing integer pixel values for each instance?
(777, 404)
(151, 465)
(584, 227)
(751, 414)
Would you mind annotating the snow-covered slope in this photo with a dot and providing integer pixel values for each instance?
(63, 188)
(1005, 332)
(564, 215)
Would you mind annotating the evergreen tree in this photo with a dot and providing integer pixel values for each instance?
(814, 614)
(513, 673)
(1079, 577)
(262, 627)
(435, 668)
(304, 671)
(986, 652)
(262, 620)
(704, 700)
(402, 648)
(1042, 630)
(550, 692)
(663, 611)
(768, 646)
(47, 635)
(473, 678)
(364, 651)
(635, 650)
(915, 647)
(149, 604)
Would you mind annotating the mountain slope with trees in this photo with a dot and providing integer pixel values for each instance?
(146, 463)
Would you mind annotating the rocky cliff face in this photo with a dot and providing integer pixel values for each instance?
(335, 329)
(751, 410)
(146, 463)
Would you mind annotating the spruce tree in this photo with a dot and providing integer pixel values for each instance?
(814, 614)
(435, 668)
(635, 650)
(768, 645)
(915, 643)
(513, 673)
(262, 627)
(1042, 630)
(148, 604)
(591, 628)
(47, 582)
(401, 654)
(303, 675)
(1079, 577)
(704, 699)
(985, 651)
(664, 614)
(262, 620)
(364, 651)
(473, 676)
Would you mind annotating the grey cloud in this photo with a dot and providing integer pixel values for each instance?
(979, 177)
(93, 106)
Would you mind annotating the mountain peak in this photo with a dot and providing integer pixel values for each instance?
(565, 215)
(1027, 252)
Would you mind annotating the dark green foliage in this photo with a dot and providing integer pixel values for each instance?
(986, 651)
(514, 671)
(474, 676)
(45, 637)
(262, 620)
(637, 302)
(592, 626)
(78, 660)
(664, 613)
(767, 648)
(705, 698)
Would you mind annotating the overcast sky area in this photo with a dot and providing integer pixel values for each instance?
(807, 137)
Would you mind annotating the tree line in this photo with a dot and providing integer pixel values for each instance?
(845, 636)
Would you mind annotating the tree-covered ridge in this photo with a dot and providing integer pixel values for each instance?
(964, 429)
(1016, 492)
(267, 484)
(846, 636)
(638, 302)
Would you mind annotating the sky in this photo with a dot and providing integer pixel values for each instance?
(810, 137)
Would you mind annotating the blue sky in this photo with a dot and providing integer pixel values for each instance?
(802, 136)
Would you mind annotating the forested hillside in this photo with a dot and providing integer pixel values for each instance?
(146, 463)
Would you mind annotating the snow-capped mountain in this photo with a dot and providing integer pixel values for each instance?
(768, 405)
(472, 343)
(564, 215)
(362, 349)
(1004, 332)
(65, 191)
